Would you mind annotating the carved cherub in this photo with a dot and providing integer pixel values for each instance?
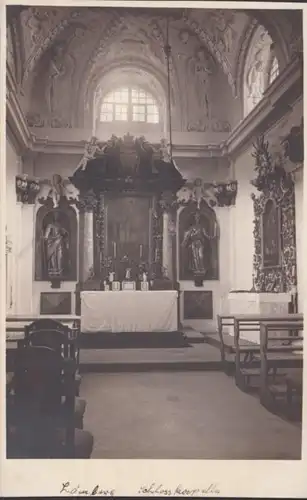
(164, 151)
(57, 188)
(92, 147)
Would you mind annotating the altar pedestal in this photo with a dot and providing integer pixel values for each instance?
(257, 303)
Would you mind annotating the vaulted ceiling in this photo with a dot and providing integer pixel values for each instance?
(98, 48)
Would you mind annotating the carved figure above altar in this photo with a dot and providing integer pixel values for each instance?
(126, 163)
(56, 190)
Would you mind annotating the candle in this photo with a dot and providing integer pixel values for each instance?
(114, 249)
(141, 251)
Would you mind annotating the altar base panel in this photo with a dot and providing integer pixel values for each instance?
(125, 311)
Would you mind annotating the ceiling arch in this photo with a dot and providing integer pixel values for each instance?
(118, 71)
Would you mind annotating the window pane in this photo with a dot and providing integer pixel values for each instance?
(121, 112)
(138, 113)
(109, 97)
(121, 95)
(107, 106)
(106, 117)
(138, 117)
(274, 70)
(150, 99)
(152, 109)
(139, 109)
(152, 119)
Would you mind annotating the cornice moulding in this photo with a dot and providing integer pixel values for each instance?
(287, 87)
(269, 109)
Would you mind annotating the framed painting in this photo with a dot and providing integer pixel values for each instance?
(197, 304)
(55, 303)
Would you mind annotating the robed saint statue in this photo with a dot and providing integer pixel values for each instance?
(198, 243)
(56, 248)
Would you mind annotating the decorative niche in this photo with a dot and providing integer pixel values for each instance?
(56, 244)
(198, 228)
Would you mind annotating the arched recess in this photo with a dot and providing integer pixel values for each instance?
(130, 77)
(137, 71)
(66, 219)
(209, 226)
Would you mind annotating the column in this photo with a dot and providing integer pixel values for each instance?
(88, 256)
(86, 206)
(166, 257)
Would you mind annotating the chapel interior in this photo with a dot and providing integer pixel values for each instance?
(154, 233)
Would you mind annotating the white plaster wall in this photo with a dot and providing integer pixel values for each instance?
(13, 221)
(241, 225)
(45, 165)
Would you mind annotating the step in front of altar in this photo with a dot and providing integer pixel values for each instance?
(196, 357)
(102, 340)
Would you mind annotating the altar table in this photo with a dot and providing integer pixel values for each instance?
(129, 311)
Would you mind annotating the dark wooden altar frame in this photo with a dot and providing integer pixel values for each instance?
(101, 247)
(279, 229)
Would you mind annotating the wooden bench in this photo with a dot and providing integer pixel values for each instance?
(282, 346)
(275, 350)
(232, 344)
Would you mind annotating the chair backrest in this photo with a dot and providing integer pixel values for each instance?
(42, 377)
(50, 333)
(46, 324)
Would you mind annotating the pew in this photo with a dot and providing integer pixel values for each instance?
(249, 368)
(276, 352)
(231, 344)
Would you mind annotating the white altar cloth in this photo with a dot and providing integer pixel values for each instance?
(129, 311)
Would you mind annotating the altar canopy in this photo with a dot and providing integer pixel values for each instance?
(125, 311)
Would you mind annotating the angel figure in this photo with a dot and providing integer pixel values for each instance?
(164, 151)
(57, 189)
(91, 149)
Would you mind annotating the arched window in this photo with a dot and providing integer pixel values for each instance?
(129, 104)
(273, 70)
(261, 68)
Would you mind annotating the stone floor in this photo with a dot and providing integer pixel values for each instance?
(182, 415)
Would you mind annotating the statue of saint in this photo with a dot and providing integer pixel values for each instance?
(197, 241)
(56, 240)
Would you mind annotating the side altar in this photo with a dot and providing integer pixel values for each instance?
(125, 186)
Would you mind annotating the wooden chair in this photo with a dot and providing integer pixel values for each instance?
(52, 333)
(40, 413)
(57, 340)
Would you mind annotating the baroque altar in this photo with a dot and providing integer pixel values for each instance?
(123, 185)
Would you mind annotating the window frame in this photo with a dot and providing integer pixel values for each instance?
(131, 106)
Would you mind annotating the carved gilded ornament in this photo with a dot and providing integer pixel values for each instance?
(275, 186)
(26, 188)
(53, 191)
(220, 194)
(87, 202)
